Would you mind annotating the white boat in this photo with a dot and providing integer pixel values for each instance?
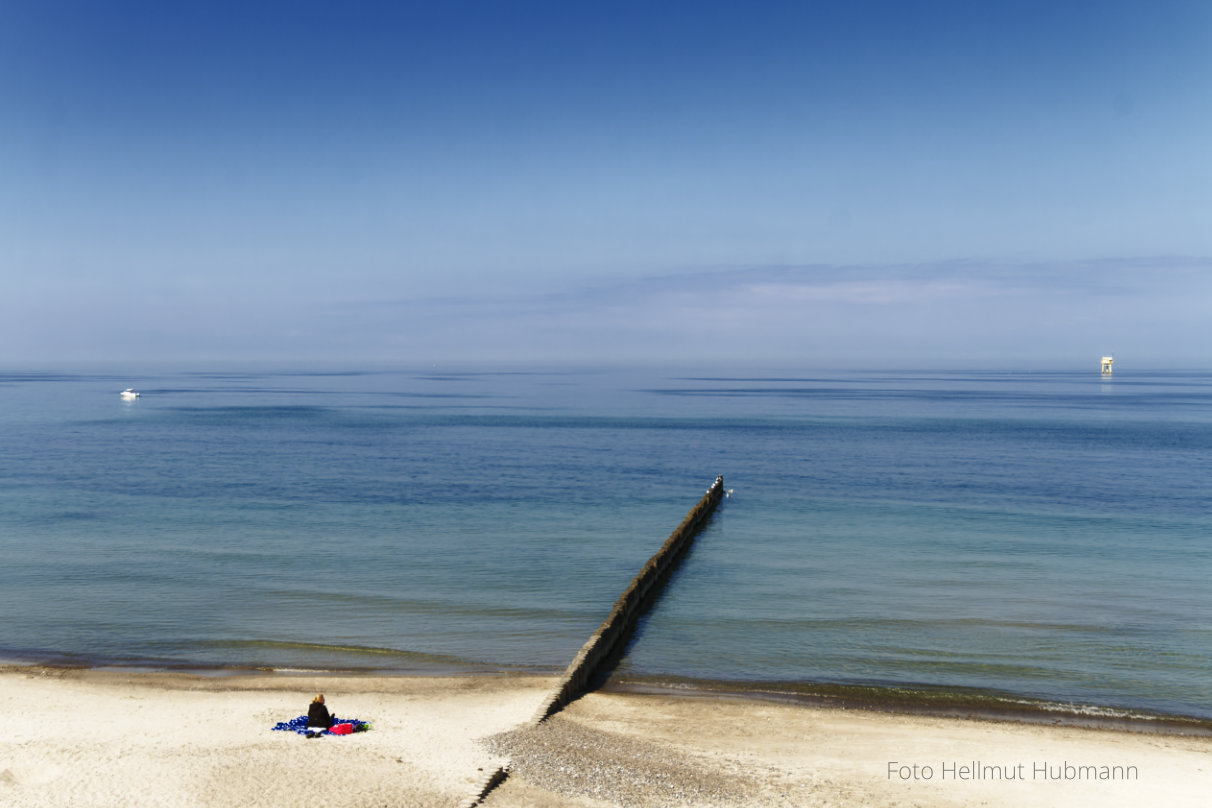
(129, 394)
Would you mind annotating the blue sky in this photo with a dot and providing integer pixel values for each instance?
(821, 183)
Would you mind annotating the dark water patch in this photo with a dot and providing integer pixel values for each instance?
(226, 656)
(527, 416)
(398, 394)
(223, 415)
(237, 389)
(269, 374)
(63, 517)
(536, 418)
(391, 605)
(270, 413)
(339, 660)
(20, 377)
(228, 375)
(771, 380)
(488, 374)
(1083, 401)
(134, 662)
(1190, 381)
(862, 379)
(381, 657)
(286, 391)
(430, 407)
(1105, 434)
(328, 374)
(1117, 434)
(911, 626)
(1160, 378)
(285, 410)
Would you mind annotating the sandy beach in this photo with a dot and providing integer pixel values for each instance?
(101, 738)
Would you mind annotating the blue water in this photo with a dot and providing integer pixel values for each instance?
(1044, 534)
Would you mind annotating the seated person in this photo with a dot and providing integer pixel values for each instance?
(318, 717)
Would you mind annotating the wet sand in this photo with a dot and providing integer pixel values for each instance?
(101, 738)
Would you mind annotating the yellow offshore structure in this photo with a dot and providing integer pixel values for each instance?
(1108, 361)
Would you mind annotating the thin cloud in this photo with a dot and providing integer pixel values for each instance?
(959, 310)
(887, 285)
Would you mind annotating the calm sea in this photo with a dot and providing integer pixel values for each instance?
(1040, 534)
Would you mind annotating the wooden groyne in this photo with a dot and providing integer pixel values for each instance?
(610, 640)
(611, 637)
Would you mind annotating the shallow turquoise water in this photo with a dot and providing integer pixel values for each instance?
(1037, 533)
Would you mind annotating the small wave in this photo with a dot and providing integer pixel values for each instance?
(364, 650)
(928, 700)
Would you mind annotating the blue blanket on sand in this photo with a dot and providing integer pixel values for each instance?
(299, 725)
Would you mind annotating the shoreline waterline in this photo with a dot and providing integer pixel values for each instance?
(895, 699)
(930, 701)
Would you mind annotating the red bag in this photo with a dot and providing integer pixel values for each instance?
(341, 729)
